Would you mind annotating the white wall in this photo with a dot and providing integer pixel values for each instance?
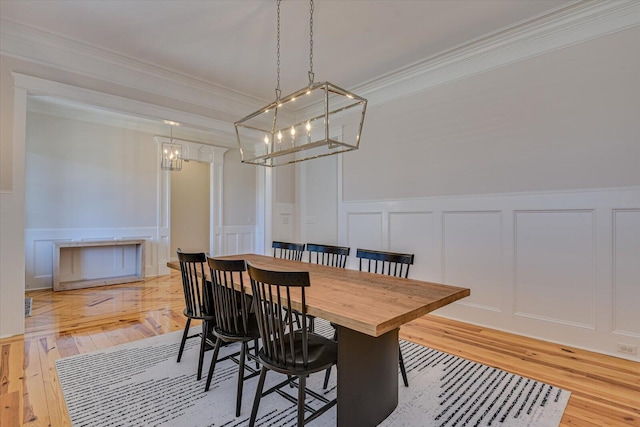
(563, 120)
(85, 181)
(521, 183)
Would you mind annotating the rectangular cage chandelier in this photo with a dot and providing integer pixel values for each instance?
(171, 152)
(319, 120)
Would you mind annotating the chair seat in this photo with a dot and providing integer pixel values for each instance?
(322, 353)
(253, 332)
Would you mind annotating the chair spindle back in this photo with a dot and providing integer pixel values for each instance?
(197, 296)
(230, 305)
(272, 302)
(335, 256)
(286, 250)
(389, 263)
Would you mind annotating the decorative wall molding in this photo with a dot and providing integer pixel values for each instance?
(221, 130)
(57, 107)
(573, 24)
(625, 271)
(235, 239)
(560, 266)
(472, 251)
(560, 285)
(34, 45)
(578, 22)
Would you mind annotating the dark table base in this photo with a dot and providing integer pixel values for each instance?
(367, 377)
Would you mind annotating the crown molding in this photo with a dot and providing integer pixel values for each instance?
(53, 50)
(57, 107)
(581, 21)
(578, 22)
(219, 131)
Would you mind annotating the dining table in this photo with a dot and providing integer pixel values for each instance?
(367, 310)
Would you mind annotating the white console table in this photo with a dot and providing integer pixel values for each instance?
(89, 263)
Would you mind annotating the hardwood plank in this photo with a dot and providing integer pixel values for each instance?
(605, 390)
(9, 413)
(55, 401)
(34, 398)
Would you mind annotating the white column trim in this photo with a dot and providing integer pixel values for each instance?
(216, 189)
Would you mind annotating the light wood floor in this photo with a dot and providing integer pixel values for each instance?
(605, 390)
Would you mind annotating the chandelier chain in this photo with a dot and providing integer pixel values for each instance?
(311, 41)
(278, 52)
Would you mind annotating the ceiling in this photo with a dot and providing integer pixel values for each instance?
(232, 43)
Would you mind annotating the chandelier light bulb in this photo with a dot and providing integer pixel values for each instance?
(166, 151)
(266, 139)
(293, 131)
(279, 136)
(308, 126)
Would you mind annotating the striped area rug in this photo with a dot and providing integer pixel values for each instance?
(140, 384)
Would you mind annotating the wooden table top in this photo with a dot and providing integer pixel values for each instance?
(369, 303)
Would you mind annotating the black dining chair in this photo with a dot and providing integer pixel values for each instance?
(391, 264)
(292, 251)
(197, 298)
(234, 321)
(287, 348)
(286, 250)
(335, 256)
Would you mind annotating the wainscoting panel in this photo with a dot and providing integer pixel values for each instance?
(472, 248)
(39, 253)
(238, 239)
(555, 266)
(231, 243)
(626, 271)
(364, 230)
(560, 266)
(412, 233)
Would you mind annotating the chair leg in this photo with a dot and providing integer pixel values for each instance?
(302, 380)
(255, 348)
(184, 338)
(203, 343)
(402, 370)
(243, 351)
(326, 378)
(256, 400)
(328, 373)
(216, 349)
